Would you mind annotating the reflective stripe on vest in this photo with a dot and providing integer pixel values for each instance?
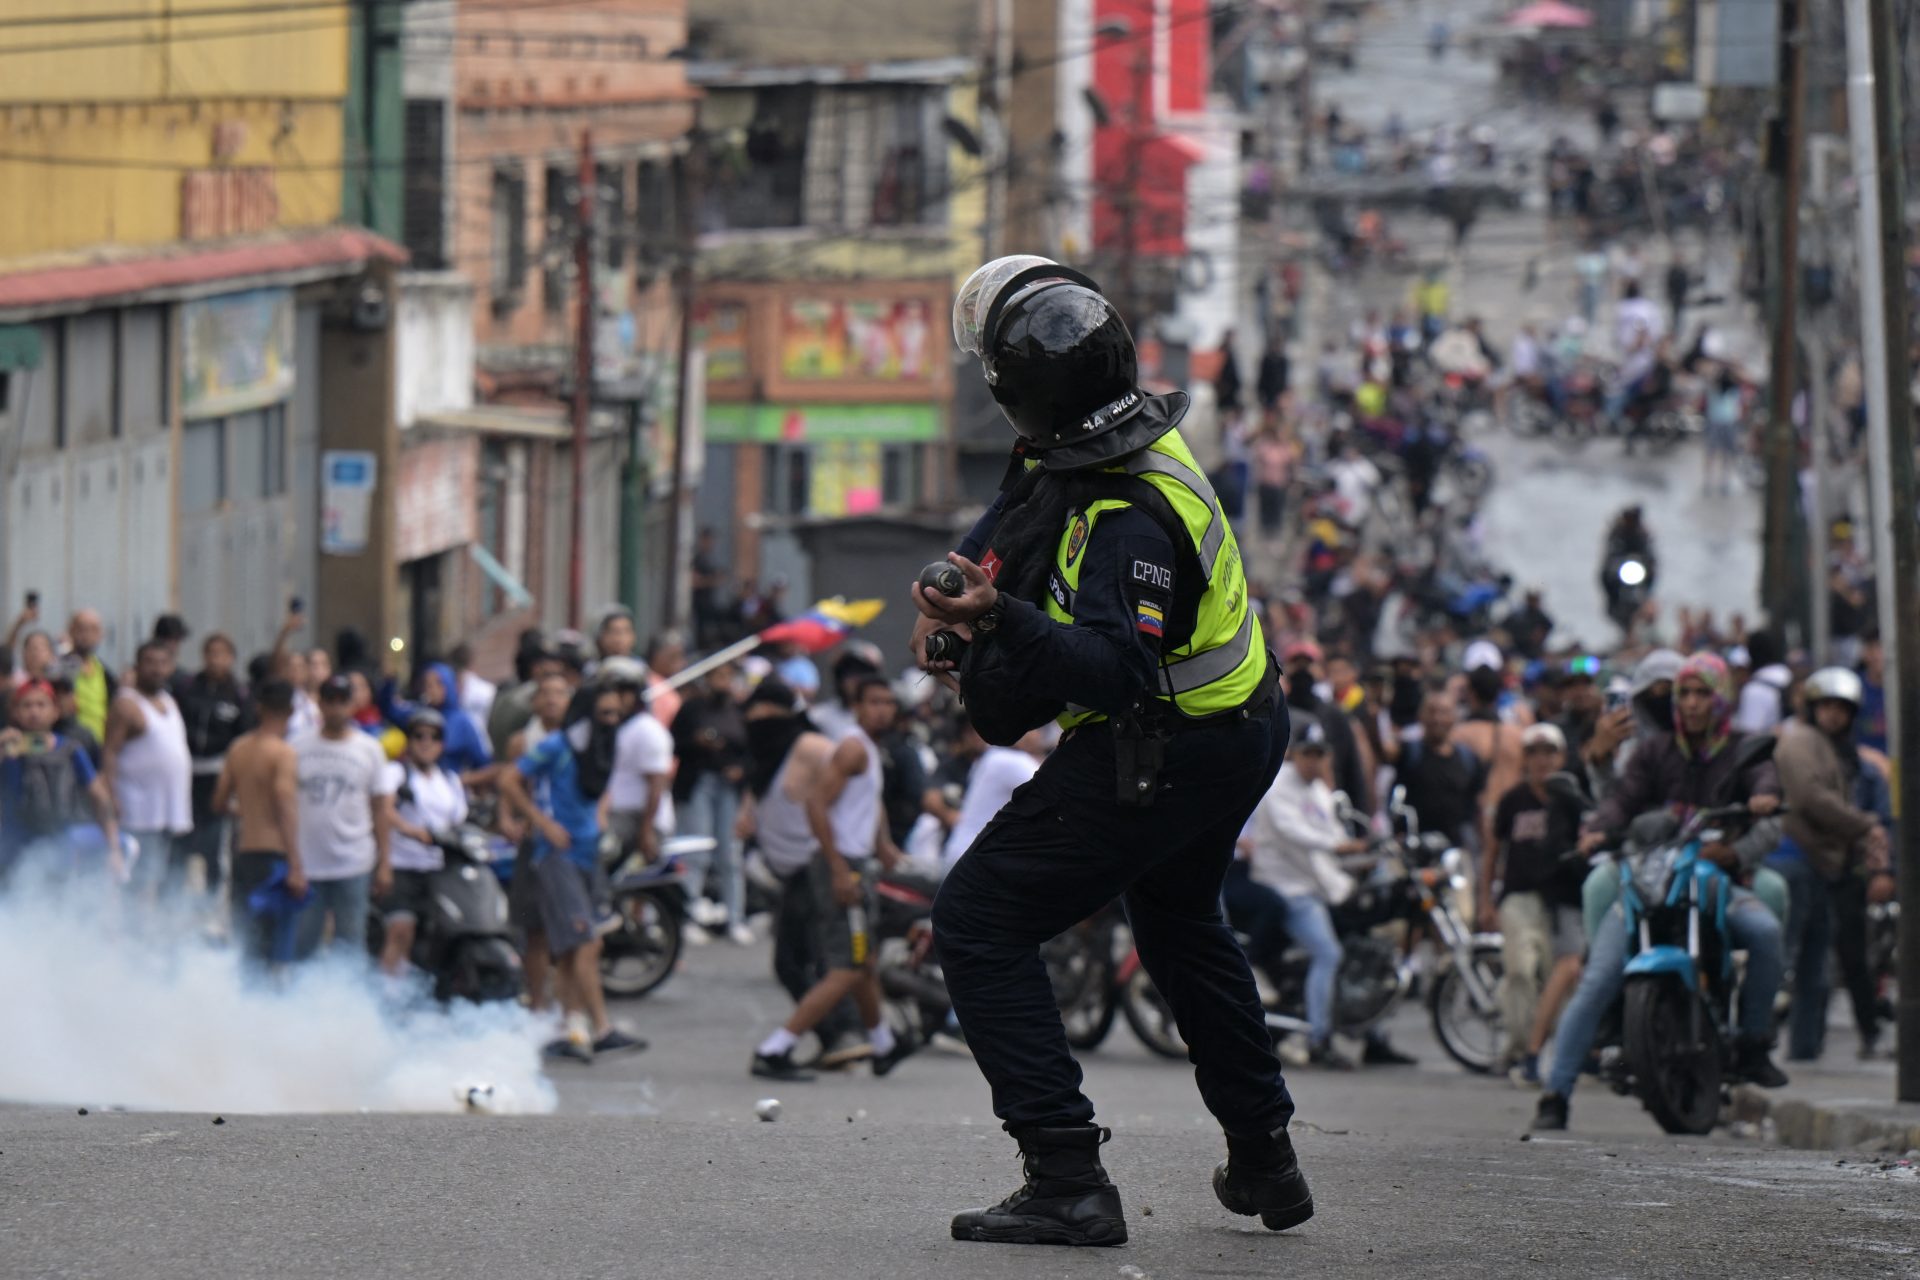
(1201, 669)
(1147, 462)
(1223, 661)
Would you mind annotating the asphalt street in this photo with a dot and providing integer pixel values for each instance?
(1546, 518)
(656, 1166)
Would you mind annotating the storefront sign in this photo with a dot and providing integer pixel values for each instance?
(347, 481)
(237, 353)
(435, 508)
(869, 340)
(795, 424)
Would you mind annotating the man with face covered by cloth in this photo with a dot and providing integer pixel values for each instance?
(1104, 590)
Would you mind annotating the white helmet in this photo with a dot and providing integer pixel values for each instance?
(1833, 684)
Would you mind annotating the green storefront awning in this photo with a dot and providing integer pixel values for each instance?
(799, 424)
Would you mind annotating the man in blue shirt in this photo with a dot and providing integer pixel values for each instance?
(556, 786)
(46, 784)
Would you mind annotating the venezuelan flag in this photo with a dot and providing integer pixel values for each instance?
(825, 625)
(1149, 618)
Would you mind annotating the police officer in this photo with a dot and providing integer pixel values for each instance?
(1104, 589)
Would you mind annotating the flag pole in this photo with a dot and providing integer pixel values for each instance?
(693, 671)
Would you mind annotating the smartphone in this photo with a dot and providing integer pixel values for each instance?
(33, 599)
(1616, 699)
(296, 605)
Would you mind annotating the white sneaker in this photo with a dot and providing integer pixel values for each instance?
(694, 935)
(741, 935)
(707, 912)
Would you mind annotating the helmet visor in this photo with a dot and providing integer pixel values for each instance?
(976, 297)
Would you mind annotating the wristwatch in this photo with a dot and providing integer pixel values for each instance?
(987, 622)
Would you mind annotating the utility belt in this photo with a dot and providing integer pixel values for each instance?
(1141, 734)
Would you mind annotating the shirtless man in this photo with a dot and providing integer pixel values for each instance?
(260, 784)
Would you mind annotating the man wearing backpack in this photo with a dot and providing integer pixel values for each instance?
(46, 784)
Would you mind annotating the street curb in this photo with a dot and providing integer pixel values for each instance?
(1842, 1125)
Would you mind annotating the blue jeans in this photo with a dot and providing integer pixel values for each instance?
(1312, 927)
(1809, 938)
(346, 901)
(710, 811)
(1753, 930)
(1260, 913)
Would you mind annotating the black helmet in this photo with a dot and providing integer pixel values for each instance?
(1060, 362)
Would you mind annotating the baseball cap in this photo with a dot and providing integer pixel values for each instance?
(1483, 653)
(1308, 733)
(336, 688)
(1301, 649)
(1543, 734)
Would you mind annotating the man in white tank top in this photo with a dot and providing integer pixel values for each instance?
(846, 817)
(149, 767)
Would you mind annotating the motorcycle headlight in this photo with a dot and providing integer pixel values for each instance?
(1632, 573)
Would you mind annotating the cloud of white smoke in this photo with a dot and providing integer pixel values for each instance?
(114, 1009)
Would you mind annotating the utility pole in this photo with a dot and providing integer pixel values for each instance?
(582, 380)
(1781, 468)
(1873, 120)
(1819, 522)
(691, 174)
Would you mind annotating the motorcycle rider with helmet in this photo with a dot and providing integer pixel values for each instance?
(1628, 538)
(1104, 589)
(1690, 767)
(1830, 844)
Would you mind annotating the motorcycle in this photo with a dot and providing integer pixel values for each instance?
(650, 903)
(1669, 1038)
(1628, 579)
(463, 941)
(910, 979)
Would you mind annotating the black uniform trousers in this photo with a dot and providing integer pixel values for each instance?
(1060, 850)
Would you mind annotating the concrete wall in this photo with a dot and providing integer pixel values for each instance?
(356, 374)
(433, 322)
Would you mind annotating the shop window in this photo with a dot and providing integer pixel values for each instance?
(203, 466)
(610, 214)
(900, 475)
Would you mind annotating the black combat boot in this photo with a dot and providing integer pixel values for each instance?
(1262, 1177)
(1067, 1198)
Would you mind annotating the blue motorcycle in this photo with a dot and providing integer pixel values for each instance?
(1671, 1042)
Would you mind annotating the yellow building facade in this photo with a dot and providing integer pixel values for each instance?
(195, 357)
(169, 126)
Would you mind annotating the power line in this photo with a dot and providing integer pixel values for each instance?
(368, 163)
(238, 10)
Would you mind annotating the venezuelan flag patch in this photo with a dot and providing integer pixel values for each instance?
(1149, 619)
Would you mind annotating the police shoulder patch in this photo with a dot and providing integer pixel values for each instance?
(1077, 536)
